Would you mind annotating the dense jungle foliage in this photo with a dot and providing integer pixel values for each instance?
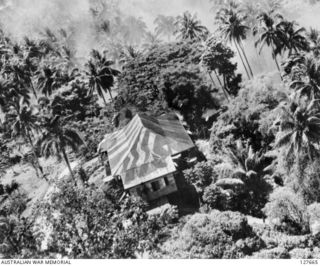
(258, 188)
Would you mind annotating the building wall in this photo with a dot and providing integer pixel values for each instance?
(156, 188)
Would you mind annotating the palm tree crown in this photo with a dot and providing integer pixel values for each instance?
(299, 129)
(101, 75)
(165, 26)
(232, 26)
(293, 38)
(56, 138)
(270, 33)
(25, 124)
(305, 76)
(189, 27)
(313, 37)
(48, 80)
(26, 120)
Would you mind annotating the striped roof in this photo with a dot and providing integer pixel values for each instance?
(141, 151)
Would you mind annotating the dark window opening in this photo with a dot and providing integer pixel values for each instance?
(155, 185)
(166, 181)
(108, 168)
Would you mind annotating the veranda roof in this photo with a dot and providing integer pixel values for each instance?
(141, 151)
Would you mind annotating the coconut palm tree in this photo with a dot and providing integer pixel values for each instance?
(232, 27)
(189, 27)
(133, 30)
(216, 58)
(101, 75)
(165, 26)
(56, 139)
(128, 54)
(67, 58)
(305, 76)
(299, 129)
(293, 38)
(32, 48)
(10, 90)
(270, 33)
(48, 80)
(21, 75)
(249, 170)
(25, 123)
(313, 36)
(151, 41)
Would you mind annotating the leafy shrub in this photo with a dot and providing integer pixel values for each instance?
(301, 253)
(217, 198)
(249, 116)
(15, 203)
(234, 224)
(287, 211)
(311, 180)
(273, 238)
(168, 214)
(316, 253)
(212, 236)
(275, 253)
(18, 238)
(249, 245)
(314, 214)
(86, 224)
(201, 176)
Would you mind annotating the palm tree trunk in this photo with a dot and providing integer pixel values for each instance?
(245, 57)
(213, 83)
(34, 91)
(244, 65)
(225, 83)
(35, 155)
(109, 90)
(104, 99)
(65, 157)
(222, 87)
(276, 61)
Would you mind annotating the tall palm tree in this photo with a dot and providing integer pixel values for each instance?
(313, 37)
(270, 33)
(48, 80)
(32, 48)
(216, 58)
(299, 129)
(249, 170)
(24, 124)
(9, 91)
(293, 38)
(56, 138)
(232, 26)
(151, 41)
(189, 27)
(305, 76)
(165, 26)
(133, 30)
(67, 58)
(129, 53)
(101, 75)
(21, 75)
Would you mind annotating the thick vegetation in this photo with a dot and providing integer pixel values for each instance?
(258, 190)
